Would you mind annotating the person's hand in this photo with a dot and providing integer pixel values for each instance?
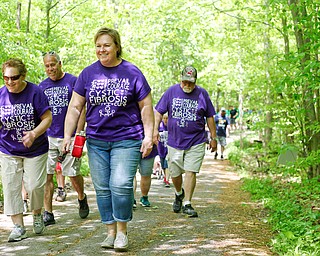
(213, 145)
(146, 147)
(28, 138)
(65, 147)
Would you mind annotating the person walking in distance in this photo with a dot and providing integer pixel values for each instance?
(233, 116)
(24, 118)
(58, 87)
(120, 123)
(189, 108)
(221, 124)
(163, 149)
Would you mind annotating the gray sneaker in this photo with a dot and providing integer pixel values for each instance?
(61, 195)
(38, 224)
(17, 234)
(121, 242)
(108, 243)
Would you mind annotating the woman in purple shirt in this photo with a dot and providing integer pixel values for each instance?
(24, 118)
(119, 130)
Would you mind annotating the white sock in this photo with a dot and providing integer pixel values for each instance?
(179, 193)
(186, 202)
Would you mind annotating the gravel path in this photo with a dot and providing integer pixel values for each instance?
(228, 223)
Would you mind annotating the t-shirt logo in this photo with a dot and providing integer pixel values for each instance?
(222, 123)
(58, 98)
(184, 110)
(17, 118)
(109, 93)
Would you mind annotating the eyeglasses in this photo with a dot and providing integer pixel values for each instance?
(13, 78)
(50, 53)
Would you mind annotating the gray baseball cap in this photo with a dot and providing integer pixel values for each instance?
(189, 73)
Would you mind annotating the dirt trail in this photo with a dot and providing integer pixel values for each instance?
(228, 223)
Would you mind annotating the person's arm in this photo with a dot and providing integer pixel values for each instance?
(213, 133)
(75, 109)
(157, 120)
(30, 136)
(82, 121)
(147, 118)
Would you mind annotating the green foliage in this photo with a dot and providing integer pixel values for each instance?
(291, 198)
(85, 170)
(294, 212)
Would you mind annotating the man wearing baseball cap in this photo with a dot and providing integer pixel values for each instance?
(189, 108)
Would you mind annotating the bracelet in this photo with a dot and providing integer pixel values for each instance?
(213, 138)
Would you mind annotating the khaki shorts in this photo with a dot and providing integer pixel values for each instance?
(70, 166)
(32, 171)
(180, 161)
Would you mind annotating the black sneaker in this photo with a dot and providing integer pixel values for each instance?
(134, 206)
(177, 204)
(221, 157)
(187, 209)
(216, 155)
(83, 207)
(48, 218)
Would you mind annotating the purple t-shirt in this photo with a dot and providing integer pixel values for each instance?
(59, 94)
(186, 115)
(162, 145)
(112, 96)
(21, 112)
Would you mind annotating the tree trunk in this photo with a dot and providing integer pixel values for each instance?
(269, 101)
(302, 32)
(18, 16)
(28, 18)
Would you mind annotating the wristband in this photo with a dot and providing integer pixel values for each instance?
(213, 138)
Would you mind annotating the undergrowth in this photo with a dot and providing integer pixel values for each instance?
(291, 200)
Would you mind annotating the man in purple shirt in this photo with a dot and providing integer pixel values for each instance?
(58, 88)
(189, 108)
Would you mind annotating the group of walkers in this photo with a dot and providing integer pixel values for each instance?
(111, 100)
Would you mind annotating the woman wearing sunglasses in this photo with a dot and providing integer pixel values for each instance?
(24, 118)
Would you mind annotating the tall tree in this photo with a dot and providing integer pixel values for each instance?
(305, 33)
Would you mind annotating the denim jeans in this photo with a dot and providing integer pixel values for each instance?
(113, 166)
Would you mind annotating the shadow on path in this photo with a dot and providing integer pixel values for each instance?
(228, 223)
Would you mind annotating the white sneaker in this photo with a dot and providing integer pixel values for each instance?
(17, 234)
(121, 242)
(38, 224)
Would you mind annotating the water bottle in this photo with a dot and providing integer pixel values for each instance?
(61, 157)
(78, 145)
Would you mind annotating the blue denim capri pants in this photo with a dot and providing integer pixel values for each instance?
(113, 166)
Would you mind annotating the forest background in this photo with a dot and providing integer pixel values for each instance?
(260, 56)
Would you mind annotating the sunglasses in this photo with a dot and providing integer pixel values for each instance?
(49, 53)
(13, 78)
